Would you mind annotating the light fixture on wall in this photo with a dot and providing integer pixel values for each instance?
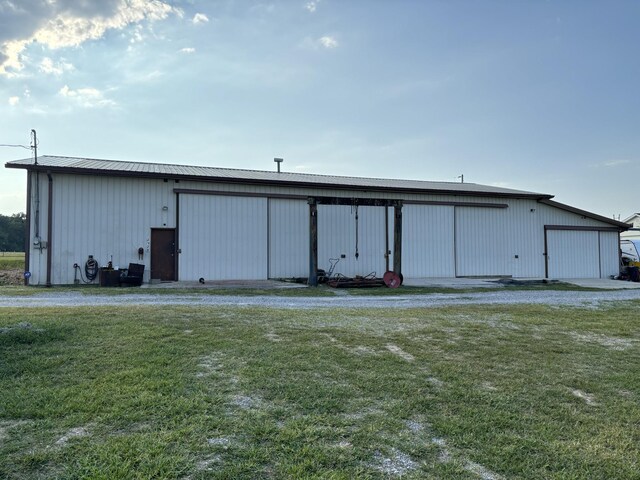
(165, 208)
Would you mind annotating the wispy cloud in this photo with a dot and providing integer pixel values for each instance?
(13, 101)
(50, 67)
(312, 5)
(615, 163)
(187, 50)
(86, 97)
(61, 24)
(328, 42)
(199, 18)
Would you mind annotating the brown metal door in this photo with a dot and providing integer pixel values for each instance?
(163, 253)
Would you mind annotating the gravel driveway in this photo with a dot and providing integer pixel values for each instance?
(549, 297)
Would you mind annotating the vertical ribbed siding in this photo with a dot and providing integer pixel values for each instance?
(337, 236)
(573, 254)
(106, 216)
(223, 238)
(482, 242)
(524, 239)
(427, 241)
(609, 255)
(288, 238)
(109, 218)
(371, 241)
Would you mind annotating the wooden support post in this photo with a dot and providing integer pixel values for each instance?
(386, 239)
(397, 239)
(313, 243)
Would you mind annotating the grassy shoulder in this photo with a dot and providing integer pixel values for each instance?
(456, 392)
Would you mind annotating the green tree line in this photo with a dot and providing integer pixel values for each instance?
(12, 232)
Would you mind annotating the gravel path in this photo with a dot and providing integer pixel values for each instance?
(550, 297)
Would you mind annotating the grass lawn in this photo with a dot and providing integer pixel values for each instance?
(477, 392)
(320, 291)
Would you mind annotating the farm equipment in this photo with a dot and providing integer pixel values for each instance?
(630, 260)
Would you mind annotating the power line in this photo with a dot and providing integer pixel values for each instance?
(10, 145)
(34, 143)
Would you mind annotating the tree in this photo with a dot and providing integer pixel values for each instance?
(12, 232)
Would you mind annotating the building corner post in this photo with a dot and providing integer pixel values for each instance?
(27, 230)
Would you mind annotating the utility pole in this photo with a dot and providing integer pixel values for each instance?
(35, 146)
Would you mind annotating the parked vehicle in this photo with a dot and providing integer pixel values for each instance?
(630, 252)
(630, 260)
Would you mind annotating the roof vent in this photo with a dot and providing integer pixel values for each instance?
(278, 161)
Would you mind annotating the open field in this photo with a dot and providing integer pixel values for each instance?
(478, 392)
(11, 268)
(11, 260)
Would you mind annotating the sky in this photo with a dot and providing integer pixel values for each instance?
(538, 95)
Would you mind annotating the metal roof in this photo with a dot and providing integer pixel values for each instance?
(160, 170)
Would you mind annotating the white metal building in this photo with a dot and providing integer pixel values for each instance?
(634, 232)
(187, 222)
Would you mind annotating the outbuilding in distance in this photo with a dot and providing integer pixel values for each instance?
(189, 222)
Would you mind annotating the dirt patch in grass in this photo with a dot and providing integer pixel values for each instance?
(395, 465)
(22, 326)
(604, 340)
(400, 353)
(7, 425)
(480, 471)
(72, 433)
(588, 399)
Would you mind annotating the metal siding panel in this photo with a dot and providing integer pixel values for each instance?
(609, 254)
(223, 238)
(573, 254)
(427, 241)
(482, 242)
(288, 238)
(525, 236)
(104, 217)
(371, 241)
(337, 236)
(555, 216)
(38, 258)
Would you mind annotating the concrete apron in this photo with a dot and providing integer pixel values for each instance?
(222, 284)
(602, 283)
